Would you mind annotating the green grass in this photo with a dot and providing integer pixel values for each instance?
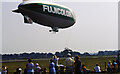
(90, 63)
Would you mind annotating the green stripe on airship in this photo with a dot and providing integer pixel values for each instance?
(52, 10)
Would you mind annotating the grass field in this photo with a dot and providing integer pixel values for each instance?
(90, 63)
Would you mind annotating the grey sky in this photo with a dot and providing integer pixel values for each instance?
(96, 29)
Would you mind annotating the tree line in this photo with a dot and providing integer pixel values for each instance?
(61, 54)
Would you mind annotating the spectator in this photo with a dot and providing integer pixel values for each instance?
(37, 69)
(97, 68)
(44, 70)
(30, 67)
(4, 70)
(55, 59)
(77, 65)
(52, 67)
(114, 65)
(7, 70)
(84, 69)
(118, 60)
(18, 71)
(61, 68)
(25, 70)
(69, 64)
(109, 66)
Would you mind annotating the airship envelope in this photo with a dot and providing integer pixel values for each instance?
(47, 14)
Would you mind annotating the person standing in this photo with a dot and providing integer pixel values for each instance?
(109, 66)
(55, 59)
(118, 60)
(97, 68)
(69, 64)
(25, 70)
(37, 69)
(30, 67)
(52, 67)
(114, 65)
(77, 65)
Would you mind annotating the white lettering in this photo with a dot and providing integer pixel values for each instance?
(62, 12)
(56, 10)
(45, 7)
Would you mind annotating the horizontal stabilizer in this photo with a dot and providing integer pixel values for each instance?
(16, 11)
(27, 20)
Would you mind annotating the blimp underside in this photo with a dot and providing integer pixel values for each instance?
(48, 20)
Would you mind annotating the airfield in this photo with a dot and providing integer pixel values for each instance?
(16, 33)
(89, 61)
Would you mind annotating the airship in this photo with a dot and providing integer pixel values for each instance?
(47, 14)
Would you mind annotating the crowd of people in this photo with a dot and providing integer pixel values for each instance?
(71, 65)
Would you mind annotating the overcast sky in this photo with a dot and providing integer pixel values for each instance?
(96, 29)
